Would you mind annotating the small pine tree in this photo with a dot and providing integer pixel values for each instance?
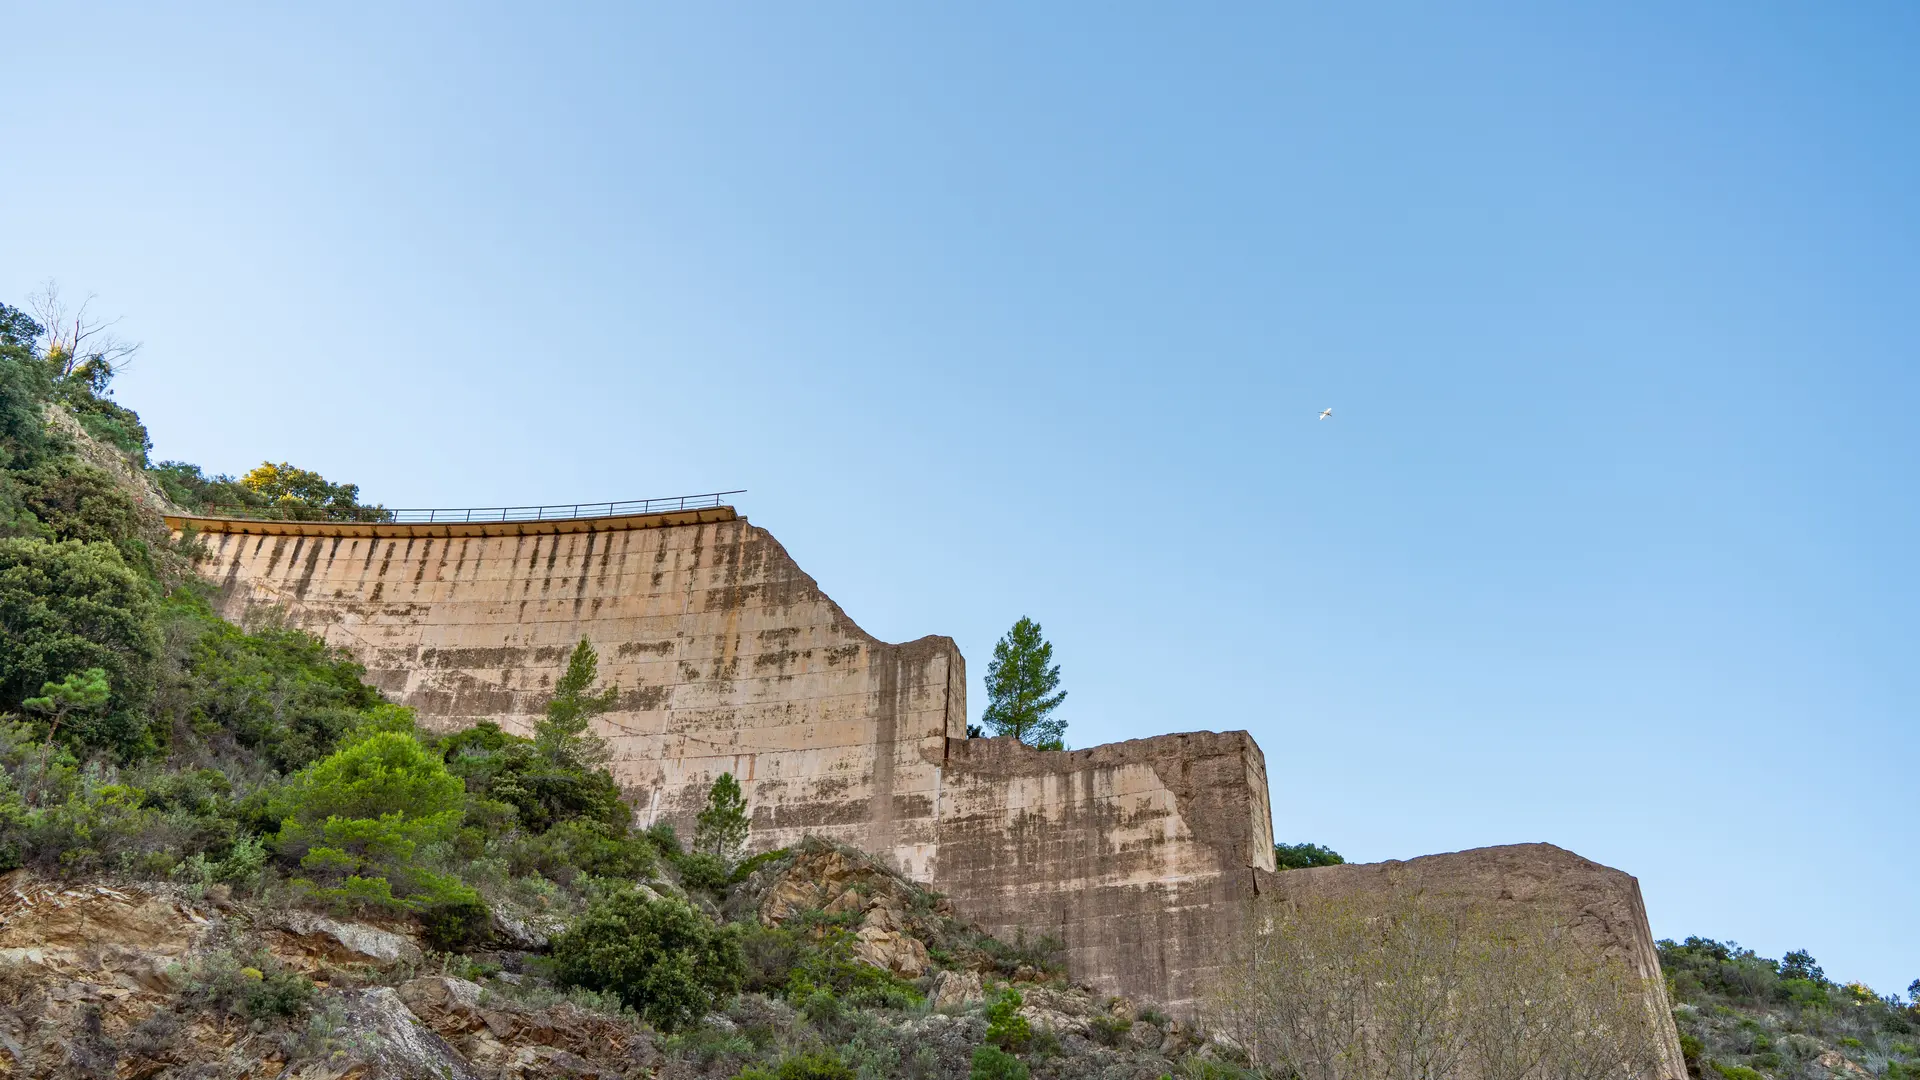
(563, 735)
(721, 829)
(1023, 688)
(80, 694)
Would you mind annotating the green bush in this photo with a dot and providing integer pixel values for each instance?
(355, 821)
(665, 960)
(993, 1063)
(282, 693)
(24, 389)
(1045, 953)
(701, 870)
(818, 1065)
(76, 501)
(258, 989)
(1734, 1072)
(69, 606)
(1109, 1030)
(823, 959)
(1301, 856)
(454, 923)
(1006, 1028)
(544, 791)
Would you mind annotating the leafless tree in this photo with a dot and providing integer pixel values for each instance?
(1398, 985)
(79, 345)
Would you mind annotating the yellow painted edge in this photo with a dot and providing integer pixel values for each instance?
(708, 515)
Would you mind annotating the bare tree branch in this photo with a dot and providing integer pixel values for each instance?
(78, 344)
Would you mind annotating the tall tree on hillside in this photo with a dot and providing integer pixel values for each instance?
(23, 388)
(563, 735)
(721, 829)
(295, 489)
(1023, 688)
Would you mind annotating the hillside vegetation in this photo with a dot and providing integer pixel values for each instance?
(222, 853)
(221, 847)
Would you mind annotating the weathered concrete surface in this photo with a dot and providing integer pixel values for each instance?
(1136, 854)
(1139, 855)
(1601, 905)
(728, 657)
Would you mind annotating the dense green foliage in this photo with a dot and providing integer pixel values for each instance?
(140, 734)
(811, 1065)
(992, 1063)
(1742, 1014)
(1023, 688)
(665, 960)
(721, 828)
(354, 823)
(1300, 856)
(67, 607)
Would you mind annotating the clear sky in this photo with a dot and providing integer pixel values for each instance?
(1611, 541)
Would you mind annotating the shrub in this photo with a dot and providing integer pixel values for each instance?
(76, 501)
(993, 1063)
(69, 606)
(1109, 1030)
(1301, 856)
(284, 693)
(665, 960)
(700, 870)
(257, 990)
(355, 821)
(543, 790)
(455, 922)
(1045, 953)
(1006, 1028)
(824, 960)
(664, 839)
(747, 866)
(818, 1065)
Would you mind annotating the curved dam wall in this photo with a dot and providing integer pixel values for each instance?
(1142, 856)
(729, 658)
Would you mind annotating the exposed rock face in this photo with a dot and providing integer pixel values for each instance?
(112, 981)
(956, 990)
(319, 938)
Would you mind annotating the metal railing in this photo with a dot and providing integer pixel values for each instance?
(465, 515)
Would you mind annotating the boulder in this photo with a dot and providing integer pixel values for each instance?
(394, 1043)
(890, 950)
(956, 990)
(1064, 1012)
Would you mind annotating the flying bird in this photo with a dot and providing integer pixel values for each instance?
(1325, 413)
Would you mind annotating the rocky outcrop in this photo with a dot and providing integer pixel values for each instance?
(891, 917)
(153, 981)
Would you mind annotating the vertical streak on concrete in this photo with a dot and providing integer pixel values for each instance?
(886, 721)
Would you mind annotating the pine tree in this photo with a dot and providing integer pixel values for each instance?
(721, 829)
(1023, 688)
(563, 735)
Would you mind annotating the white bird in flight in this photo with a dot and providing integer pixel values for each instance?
(1324, 413)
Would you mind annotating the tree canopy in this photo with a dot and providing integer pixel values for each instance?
(1023, 688)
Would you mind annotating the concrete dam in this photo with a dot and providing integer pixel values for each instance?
(730, 658)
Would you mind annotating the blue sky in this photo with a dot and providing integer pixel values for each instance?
(1610, 543)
